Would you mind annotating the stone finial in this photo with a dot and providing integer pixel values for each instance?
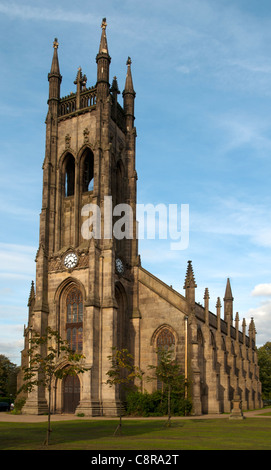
(189, 279)
(206, 294)
(104, 23)
(79, 79)
(55, 44)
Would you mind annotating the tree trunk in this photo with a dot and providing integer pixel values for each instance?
(49, 416)
(169, 406)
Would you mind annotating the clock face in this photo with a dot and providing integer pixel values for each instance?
(70, 260)
(119, 266)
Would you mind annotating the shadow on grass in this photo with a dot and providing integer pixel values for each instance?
(31, 436)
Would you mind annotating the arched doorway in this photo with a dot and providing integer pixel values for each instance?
(71, 393)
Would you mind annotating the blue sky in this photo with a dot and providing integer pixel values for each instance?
(202, 75)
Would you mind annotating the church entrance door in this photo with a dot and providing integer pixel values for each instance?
(71, 394)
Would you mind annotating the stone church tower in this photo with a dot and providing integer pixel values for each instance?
(93, 289)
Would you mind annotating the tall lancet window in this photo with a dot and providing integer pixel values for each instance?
(119, 183)
(74, 319)
(166, 342)
(88, 171)
(69, 176)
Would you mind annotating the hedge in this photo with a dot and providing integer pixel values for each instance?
(156, 404)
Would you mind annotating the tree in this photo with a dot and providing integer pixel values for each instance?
(43, 367)
(264, 361)
(8, 377)
(123, 372)
(169, 373)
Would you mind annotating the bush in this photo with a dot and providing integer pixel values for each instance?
(18, 405)
(5, 399)
(156, 404)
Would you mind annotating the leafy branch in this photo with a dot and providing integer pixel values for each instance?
(43, 364)
(123, 373)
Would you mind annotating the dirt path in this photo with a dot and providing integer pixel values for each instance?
(10, 418)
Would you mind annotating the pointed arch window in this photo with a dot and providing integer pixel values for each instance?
(119, 183)
(165, 341)
(69, 176)
(74, 319)
(88, 171)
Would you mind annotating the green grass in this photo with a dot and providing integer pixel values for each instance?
(203, 434)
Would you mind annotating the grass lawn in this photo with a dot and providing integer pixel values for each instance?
(203, 434)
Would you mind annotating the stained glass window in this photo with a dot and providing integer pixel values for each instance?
(165, 339)
(74, 319)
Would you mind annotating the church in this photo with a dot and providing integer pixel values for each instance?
(94, 291)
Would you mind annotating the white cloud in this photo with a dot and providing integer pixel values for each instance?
(262, 317)
(263, 290)
(11, 349)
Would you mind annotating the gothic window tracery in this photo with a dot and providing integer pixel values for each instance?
(165, 341)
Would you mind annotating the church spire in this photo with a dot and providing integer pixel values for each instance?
(103, 60)
(129, 87)
(129, 97)
(103, 43)
(55, 64)
(54, 76)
